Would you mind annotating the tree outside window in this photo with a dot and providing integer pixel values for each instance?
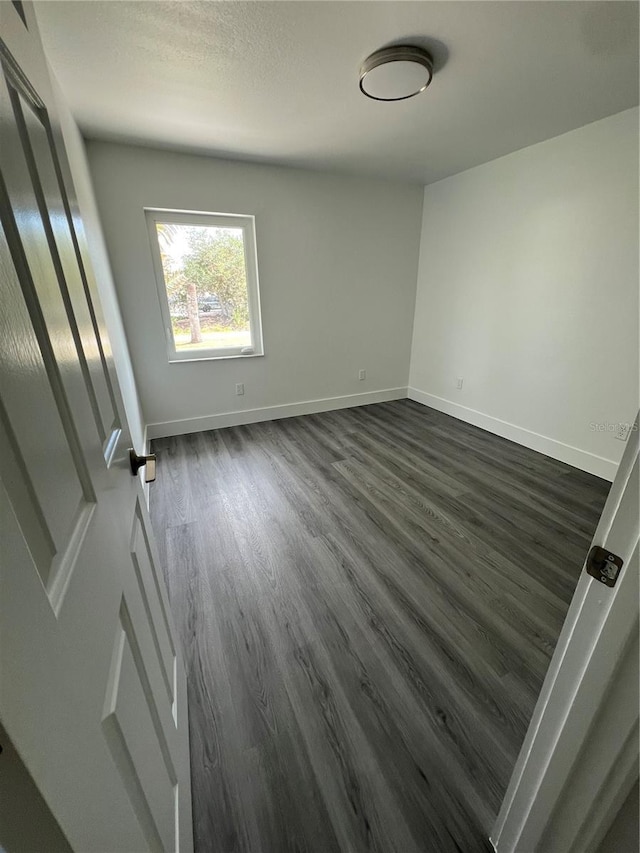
(207, 280)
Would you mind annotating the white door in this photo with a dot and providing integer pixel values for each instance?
(92, 690)
(579, 759)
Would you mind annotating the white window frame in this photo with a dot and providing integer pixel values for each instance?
(211, 220)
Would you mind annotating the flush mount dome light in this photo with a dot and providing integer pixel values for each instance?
(396, 73)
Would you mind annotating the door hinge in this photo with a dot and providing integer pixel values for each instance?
(603, 565)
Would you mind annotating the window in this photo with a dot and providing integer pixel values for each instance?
(207, 277)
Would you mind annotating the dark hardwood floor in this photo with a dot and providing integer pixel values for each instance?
(367, 600)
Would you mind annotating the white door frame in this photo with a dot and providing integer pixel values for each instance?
(579, 759)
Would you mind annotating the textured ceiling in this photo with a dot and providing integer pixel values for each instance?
(278, 81)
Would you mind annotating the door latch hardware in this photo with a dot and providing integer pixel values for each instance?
(136, 462)
(603, 565)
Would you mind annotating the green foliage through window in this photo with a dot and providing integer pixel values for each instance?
(206, 283)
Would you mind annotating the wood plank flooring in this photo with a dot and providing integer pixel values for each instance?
(367, 600)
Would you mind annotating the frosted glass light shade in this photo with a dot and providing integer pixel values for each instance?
(396, 73)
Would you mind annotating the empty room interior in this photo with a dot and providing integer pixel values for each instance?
(351, 289)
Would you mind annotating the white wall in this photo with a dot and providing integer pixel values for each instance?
(528, 289)
(337, 261)
(79, 167)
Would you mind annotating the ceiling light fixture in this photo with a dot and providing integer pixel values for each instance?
(396, 73)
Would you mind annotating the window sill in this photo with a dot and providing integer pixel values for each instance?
(215, 358)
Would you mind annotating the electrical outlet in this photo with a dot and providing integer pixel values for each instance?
(621, 432)
(362, 374)
(459, 382)
(239, 389)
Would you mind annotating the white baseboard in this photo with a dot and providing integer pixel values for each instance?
(271, 413)
(598, 465)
